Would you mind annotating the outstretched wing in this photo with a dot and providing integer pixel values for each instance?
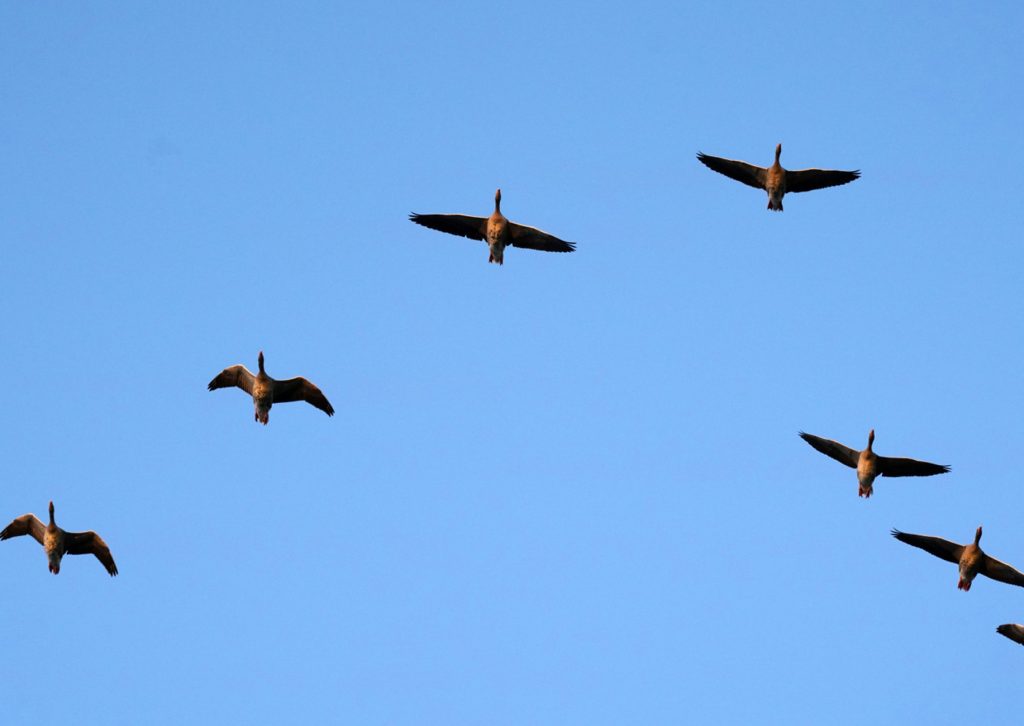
(300, 389)
(991, 567)
(741, 171)
(90, 543)
(890, 466)
(25, 524)
(1012, 631)
(941, 548)
(839, 452)
(806, 180)
(532, 238)
(460, 224)
(234, 376)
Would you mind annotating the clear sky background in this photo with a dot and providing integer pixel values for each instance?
(566, 490)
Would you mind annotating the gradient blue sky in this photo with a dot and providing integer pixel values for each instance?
(566, 490)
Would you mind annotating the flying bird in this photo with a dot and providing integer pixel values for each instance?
(970, 558)
(58, 542)
(869, 465)
(1012, 631)
(496, 230)
(266, 391)
(775, 180)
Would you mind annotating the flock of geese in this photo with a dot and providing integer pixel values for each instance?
(498, 232)
(970, 558)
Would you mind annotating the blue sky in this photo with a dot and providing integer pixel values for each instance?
(565, 490)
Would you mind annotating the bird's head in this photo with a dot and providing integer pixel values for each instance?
(260, 360)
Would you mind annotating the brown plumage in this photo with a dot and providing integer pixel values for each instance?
(57, 542)
(1012, 631)
(266, 391)
(775, 180)
(496, 230)
(970, 558)
(869, 465)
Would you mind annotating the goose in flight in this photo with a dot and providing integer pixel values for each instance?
(869, 465)
(970, 558)
(496, 230)
(775, 180)
(266, 391)
(58, 543)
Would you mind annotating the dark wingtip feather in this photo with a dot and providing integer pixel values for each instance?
(1009, 630)
(326, 407)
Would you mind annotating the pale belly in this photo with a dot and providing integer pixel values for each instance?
(54, 551)
(263, 409)
(497, 253)
(497, 234)
(865, 477)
